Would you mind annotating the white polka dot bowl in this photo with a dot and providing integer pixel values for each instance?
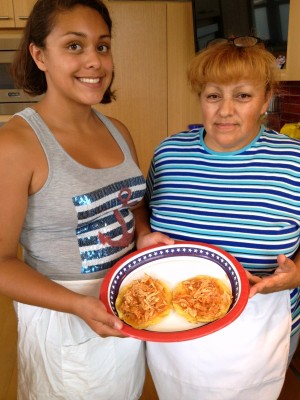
(173, 264)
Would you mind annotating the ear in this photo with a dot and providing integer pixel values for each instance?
(265, 106)
(38, 56)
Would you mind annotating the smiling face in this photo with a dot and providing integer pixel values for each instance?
(77, 59)
(232, 113)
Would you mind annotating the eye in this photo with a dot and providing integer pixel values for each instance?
(74, 46)
(103, 48)
(213, 97)
(243, 96)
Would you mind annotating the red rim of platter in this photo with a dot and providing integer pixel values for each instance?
(236, 274)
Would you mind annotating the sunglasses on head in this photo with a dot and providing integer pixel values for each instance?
(240, 41)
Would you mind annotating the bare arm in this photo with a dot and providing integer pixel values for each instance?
(21, 163)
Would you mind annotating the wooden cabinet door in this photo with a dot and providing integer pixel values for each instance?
(183, 105)
(292, 71)
(7, 14)
(22, 10)
(139, 49)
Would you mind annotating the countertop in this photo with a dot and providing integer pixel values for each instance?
(4, 118)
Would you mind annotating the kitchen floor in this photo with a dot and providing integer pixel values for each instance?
(8, 362)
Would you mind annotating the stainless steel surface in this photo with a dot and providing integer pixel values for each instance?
(12, 100)
(10, 40)
(12, 108)
(16, 95)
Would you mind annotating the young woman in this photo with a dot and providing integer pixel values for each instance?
(236, 185)
(69, 181)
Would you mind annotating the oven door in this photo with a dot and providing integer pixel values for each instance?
(12, 100)
(15, 100)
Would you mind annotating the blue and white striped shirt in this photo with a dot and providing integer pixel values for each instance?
(246, 202)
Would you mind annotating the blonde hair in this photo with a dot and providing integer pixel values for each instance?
(226, 63)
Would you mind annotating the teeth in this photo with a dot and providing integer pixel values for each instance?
(89, 80)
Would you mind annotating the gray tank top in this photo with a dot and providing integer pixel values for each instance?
(79, 224)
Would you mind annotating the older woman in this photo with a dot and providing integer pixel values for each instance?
(234, 184)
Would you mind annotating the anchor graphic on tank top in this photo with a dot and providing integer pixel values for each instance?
(126, 236)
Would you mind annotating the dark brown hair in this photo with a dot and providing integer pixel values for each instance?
(25, 73)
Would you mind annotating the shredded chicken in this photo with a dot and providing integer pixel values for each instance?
(143, 301)
(202, 298)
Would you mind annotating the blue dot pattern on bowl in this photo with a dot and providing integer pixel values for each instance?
(174, 251)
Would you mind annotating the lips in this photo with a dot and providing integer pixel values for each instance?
(226, 126)
(89, 80)
(225, 123)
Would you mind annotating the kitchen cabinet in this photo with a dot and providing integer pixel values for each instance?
(292, 70)
(152, 45)
(14, 13)
(139, 48)
(7, 18)
(22, 10)
(183, 104)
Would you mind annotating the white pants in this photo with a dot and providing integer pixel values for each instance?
(244, 361)
(60, 357)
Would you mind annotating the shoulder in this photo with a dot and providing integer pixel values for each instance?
(182, 137)
(274, 138)
(117, 124)
(17, 142)
(122, 128)
(15, 133)
(180, 141)
(126, 135)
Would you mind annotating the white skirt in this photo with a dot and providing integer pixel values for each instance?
(60, 357)
(244, 361)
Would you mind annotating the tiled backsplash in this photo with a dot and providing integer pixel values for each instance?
(289, 106)
(290, 102)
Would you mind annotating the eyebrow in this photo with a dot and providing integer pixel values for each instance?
(83, 35)
(236, 87)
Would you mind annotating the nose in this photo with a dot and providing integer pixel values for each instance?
(93, 59)
(226, 107)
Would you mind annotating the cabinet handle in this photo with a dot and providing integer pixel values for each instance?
(3, 17)
(23, 17)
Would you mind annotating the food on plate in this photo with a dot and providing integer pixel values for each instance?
(202, 299)
(144, 302)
